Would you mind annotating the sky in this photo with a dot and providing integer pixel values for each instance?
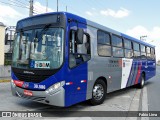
(133, 17)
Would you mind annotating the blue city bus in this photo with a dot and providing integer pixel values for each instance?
(62, 59)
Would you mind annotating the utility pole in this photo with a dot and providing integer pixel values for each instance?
(66, 8)
(31, 8)
(57, 5)
(142, 37)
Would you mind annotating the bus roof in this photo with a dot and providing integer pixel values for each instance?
(93, 24)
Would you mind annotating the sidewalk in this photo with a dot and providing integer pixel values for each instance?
(5, 79)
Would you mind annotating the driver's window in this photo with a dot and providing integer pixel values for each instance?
(79, 52)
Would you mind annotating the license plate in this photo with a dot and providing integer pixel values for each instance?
(28, 93)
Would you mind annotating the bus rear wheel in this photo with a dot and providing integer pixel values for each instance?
(98, 92)
(141, 84)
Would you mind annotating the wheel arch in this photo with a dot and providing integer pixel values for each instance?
(102, 78)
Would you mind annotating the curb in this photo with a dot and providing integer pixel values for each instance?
(3, 81)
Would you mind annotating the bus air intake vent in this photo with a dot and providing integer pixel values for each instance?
(31, 78)
(32, 97)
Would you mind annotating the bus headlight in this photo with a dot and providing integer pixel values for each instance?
(55, 87)
(12, 83)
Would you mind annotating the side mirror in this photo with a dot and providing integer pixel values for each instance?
(80, 34)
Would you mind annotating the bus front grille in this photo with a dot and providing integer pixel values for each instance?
(31, 78)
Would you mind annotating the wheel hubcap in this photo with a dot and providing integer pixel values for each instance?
(142, 81)
(98, 92)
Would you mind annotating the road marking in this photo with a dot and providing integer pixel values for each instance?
(2, 81)
(144, 103)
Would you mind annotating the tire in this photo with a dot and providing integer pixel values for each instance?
(142, 83)
(98, 92)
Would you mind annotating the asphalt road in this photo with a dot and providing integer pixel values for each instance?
(123, 100)
(130, 99)
(153, 90)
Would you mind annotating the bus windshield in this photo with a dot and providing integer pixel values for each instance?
(39, 48)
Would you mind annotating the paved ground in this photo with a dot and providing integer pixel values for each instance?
(130, 99)
(153, 90)
(123, 100)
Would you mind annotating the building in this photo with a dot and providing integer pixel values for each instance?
(6, 43)
(6, 40)
(9, 37)
(2, 37)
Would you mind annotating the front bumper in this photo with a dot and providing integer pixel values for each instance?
(56, 99)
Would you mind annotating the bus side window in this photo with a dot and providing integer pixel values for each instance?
(79, 52)
(72, 41)
(84, 48)
(103, 44)
(143, 51)
(136, 48)
(148, 52)
(153, 53)
(128, 48)
(117, 46)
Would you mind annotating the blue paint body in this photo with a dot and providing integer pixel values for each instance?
(77, 74)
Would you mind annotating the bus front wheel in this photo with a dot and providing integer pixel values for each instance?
(98, 92)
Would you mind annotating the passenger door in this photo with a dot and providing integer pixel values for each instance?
(79, 54)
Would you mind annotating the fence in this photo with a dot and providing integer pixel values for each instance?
(8, 59)
(5, 71)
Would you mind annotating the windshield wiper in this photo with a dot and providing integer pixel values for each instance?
(46, 27)
(39, 37)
